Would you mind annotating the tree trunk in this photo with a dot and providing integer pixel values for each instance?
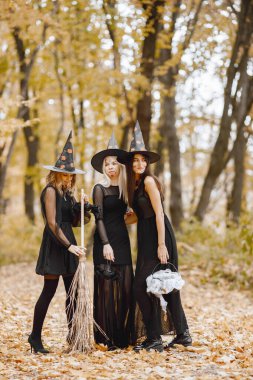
(144, 106)
(3, 170)
(30, 133)
(109, 7)
(239, 149)
(240, 53)
(61, 99)
(124, 139)
(176, 204)
(168, 133)
(32, 144)
(234, 205)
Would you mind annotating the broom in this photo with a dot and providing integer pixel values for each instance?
(81, 336)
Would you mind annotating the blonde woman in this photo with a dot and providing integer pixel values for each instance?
(113, 272)
(59, 251)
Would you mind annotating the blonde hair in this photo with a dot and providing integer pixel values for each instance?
(54, 178)
(106, 182)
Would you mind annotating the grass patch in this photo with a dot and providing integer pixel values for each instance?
(225, 255)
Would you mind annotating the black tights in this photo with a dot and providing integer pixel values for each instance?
(46, 296)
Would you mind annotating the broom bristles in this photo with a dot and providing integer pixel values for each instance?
(81, 336)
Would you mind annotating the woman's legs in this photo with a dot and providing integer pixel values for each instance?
(67, 280)
(146, 302)
(114, 307)
(41, 307)
(177, 312)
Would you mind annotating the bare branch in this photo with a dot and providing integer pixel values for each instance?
(231, 5)
(191, 25)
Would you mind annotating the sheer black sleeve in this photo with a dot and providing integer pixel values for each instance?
(50, 215)
(76, 211)
(98, 198)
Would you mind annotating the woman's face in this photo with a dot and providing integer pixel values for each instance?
(66, 180)
(139, 164)
(112, 167)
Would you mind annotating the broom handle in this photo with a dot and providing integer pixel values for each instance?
(82, 218)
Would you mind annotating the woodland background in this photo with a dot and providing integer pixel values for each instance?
(183, 69)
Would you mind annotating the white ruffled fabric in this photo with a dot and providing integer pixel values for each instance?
(163, 282)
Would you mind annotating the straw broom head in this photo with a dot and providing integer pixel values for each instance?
(81, 336)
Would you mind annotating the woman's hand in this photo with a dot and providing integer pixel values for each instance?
(130, 216)
(129, 211)
(108, 252)
(77, 250)
(85, 197)
(163, 254)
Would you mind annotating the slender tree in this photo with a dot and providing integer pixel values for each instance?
(232, 102)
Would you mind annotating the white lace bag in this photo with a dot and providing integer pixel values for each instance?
(162, 282)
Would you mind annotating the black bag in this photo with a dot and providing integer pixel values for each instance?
(106, 271)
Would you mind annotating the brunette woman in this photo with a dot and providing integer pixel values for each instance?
(59, 252)
(156, 245)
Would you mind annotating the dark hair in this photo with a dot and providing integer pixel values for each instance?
(131, 179)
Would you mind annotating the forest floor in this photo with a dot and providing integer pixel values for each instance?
(220, 319)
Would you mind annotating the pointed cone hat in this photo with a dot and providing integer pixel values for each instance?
(65, 161)
(112, 150)
(137, 146)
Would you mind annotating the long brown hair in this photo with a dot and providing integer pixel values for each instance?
(131, 182)
(53, 178)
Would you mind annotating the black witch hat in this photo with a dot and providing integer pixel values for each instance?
(112, 150)
(65, 162)
(137, 146)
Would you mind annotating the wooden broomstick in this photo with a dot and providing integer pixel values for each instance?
(81, 336)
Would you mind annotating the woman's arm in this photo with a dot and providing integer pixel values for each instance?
(54, 229)
(76, 212)
(98, 199)
(155, 198)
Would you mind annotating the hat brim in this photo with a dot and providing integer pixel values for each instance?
(55, 169)
(98, 159)
(153, 157)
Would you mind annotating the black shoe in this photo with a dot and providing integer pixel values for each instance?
(111, 346)
(154, 344)
(140, 346)
(150, 344)
(36, 345)
(184, 339)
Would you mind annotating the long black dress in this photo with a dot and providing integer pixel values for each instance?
(147, 261)
(113, 298)
(60, 214)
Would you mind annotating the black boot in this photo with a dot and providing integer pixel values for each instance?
(154, 344)
(36, 345)
(149, 344)
(140, 346)
(184, 339)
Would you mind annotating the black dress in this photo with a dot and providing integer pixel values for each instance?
(113, 298)
(147, 262)
(60, 214)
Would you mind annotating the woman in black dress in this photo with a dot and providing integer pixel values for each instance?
(59, 252)
(156, 245)
(113, 272)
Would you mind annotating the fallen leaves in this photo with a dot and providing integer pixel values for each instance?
(222, 337)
